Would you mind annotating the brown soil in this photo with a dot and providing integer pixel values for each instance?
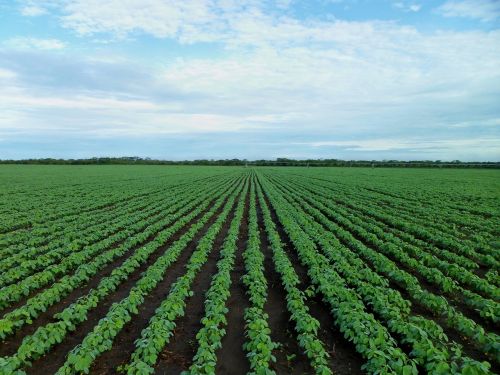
(417, 309)
(231, 358)
(10, 346)
(53, 360)
(453, 300)
(106, 270)
(94, 281)
(289, 356)
(344, 358)
(178, 354)
(468, 347)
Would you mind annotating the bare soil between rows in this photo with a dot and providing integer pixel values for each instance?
(57, 356)
(343, 356)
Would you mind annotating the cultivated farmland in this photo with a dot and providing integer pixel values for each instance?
(159, 270)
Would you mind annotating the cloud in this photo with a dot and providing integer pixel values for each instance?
(285, 85)
(407, 6)
(36, 8)
(34, 43)
(32, 11)
(158, 18)
(6, 74)
(483, 10)
(188, 21)
(413, 144)
(415, 148)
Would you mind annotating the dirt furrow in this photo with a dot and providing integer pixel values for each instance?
(231, 358)
(57, 356)
(12, 343)
(289, 357)
(177, 355)
(343, 356)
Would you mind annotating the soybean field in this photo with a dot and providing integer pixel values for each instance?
(249, 270)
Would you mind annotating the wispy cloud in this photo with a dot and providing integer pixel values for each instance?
(408, 6)
(287, 85)
(483, 10)
(158, 18)
(34, 43)
(32, 11)
(413, 144)
(6, 74)
(36, 8)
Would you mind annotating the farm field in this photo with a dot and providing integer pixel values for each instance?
(232, 270)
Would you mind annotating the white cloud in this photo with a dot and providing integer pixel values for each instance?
(36, 8)
(483, 10)
(413, 144)
(283, 4)
(34, 43)
(108, 117)
(187, 21)
(121, 17)
(279, 77)
(408, 6)
(33, 11)
(23, 100)
(492, 122)
(401, 83)
(472, 148)
(362, 65)
(6, 74)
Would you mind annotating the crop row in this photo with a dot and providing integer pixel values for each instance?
(38, 304)
(258, 345)
(15, 292)
(430, 346)
(161, 326)
(428, 266)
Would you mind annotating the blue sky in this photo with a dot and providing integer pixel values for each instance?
(350, 79)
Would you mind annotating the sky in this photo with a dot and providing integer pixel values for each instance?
(254, 79)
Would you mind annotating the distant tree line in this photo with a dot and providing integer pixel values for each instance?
(134, 160)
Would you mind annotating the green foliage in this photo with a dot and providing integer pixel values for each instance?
(375, 243)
